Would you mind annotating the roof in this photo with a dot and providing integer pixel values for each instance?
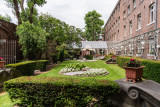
(92, 45)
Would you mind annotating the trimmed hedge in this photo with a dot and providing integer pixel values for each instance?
(27, 68)
(151, 70)
(41, 64)
(60, 91)
(108, 57)
(90, 57)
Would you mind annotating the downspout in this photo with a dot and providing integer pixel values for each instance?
(156, 27)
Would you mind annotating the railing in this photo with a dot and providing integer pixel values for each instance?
(8, 51)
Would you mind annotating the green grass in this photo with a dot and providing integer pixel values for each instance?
(5, 101)
(115, 72)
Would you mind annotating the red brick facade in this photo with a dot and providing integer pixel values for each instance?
(8, 32)
(130, 20)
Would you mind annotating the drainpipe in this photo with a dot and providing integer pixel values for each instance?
(156, 36)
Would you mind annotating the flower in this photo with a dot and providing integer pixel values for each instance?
(1, 59)
(133, 63)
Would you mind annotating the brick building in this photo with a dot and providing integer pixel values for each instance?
(133, 29)
(9, 48)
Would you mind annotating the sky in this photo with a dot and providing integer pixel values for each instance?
(70, 11)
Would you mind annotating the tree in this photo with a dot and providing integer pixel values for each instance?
(59, 32)
(19, 9)
(32, 39)
(93, 25)
(6, 18)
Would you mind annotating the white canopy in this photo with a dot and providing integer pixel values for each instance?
(92, 45)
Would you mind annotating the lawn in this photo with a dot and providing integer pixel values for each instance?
(115, 72)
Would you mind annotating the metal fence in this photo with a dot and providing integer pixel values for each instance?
(8, 51)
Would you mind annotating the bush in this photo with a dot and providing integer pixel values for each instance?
(90, 57)
(60, 92)
(108, 57)
(61, 56)
(75, 66)
(42, 64)
(151, 70)
(25, 68)
(55, 59)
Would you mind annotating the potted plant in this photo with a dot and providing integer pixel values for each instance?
(134, 70)
(1, 62)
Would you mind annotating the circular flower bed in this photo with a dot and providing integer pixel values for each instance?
(88, 73)
(94, 72)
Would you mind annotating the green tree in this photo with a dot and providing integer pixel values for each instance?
(61, 33)
(32, 39)
(93, 25)
(6, 18)
(21, 12)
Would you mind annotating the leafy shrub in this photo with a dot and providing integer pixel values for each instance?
(55, 59)
(151, 70)
(25, 68)
(107, 57)
(61, 56)
(42, 64)
(60, 92)
(75, 66)
(72, 68)
(111, 53)
(90, 57)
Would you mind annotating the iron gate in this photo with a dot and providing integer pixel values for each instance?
(8, 51)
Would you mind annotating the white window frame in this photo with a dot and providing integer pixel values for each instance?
(139, 49)
(152, 13)
(151, 47)
(139, 21)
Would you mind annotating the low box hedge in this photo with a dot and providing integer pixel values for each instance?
(42, 64)
(60, 91)
(151, 70)
(27, 68)
(90, 57)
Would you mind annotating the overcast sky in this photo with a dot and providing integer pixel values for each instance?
(70, 11)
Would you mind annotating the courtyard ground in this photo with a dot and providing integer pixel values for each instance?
(115, 73)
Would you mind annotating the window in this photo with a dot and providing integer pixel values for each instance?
(128, 9)
(140, 1)
(139, 21)
(118, 35)
(124, 14)
(139, 50)
(119, 20)
(152, 13)
(134, 3)
(151, 47)
(130, 27)
(124, 30)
